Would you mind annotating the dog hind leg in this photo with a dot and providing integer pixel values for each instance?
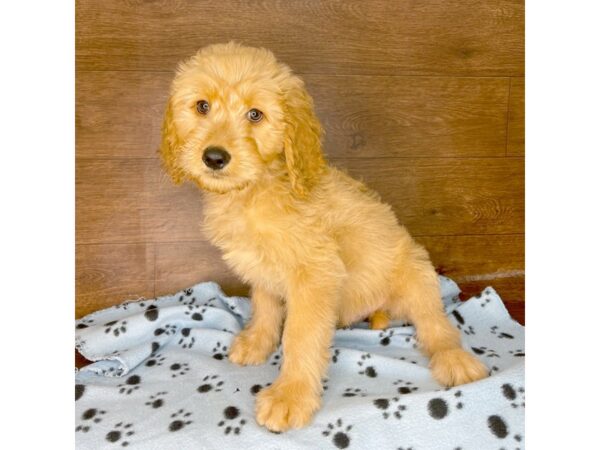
(379, 320)
(418, 299)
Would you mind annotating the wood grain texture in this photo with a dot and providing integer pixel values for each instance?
(448, 196)
(411, 116)
(80, 361)
(515, 145)
(183, 264)
(477, 257)
(126, 201)
(133, 201)
(428, 37)
(476, 262)
(119, 114)
(364, 116)
(516, 310)
(108, 274)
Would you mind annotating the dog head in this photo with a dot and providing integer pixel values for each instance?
(235, 117)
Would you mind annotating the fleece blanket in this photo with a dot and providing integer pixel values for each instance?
(161, 380)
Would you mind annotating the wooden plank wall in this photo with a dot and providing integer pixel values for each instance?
(424, 100)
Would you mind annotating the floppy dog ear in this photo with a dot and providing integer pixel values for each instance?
(168, 146)
(302, 142)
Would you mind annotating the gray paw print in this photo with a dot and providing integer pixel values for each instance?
(117, 328)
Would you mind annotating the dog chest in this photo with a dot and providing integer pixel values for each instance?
(250, 244)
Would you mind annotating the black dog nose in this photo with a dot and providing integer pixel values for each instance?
(215, 157)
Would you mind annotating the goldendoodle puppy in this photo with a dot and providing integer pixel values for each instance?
(318, 248)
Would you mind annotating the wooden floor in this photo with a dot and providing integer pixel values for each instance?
(423, 100)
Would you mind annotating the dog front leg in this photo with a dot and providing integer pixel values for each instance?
(260, 337)
(293, 398)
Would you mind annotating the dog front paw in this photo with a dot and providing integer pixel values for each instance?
(286, 405)
(250, 348)
(456, 366)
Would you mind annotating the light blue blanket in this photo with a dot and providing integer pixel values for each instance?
(162, 380)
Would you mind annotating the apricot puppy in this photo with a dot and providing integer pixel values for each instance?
(319, 249)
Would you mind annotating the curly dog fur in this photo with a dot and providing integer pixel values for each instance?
(318, 248)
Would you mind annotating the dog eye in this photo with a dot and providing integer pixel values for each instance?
(202, 107)
(254, 115)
